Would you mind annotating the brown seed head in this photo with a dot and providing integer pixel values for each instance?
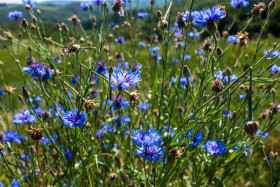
(36, 134)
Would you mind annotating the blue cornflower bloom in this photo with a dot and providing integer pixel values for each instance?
(123, 80)
(144, 106)
(124, 120)
(36, 70)
(24, 157)
(232, 39)
(1, 185)
(15, 183)
(123, 64)
(219, 76)
(39, 111)
(15, 15)
(2, 92)
(274, 68)
(146, 138)
(183, 81)
(142, 14)
(187, 15)
(85, 6)
(48, 73)
(154, 49)
(108, 128)
(244, 147)
(262, 134)
(98, 2)
(30, 60)
(45, 140)
(151, 153)
(273, 54)
(200, 52)
(75, 77)
(239, 3)
(208, 16)
(198, 138)
(142, 44)
(38, 99)
(215, 147)
(57, 58)
(68, 155)
(242, 96)
(268, 158)
(24, 117)
(73, 119)
(101, 67)
(120, 39)
(120, 103)
(227, 113)
(54, 109)
(136, 67)
(31, 3)
(186, 57)
(10, 136)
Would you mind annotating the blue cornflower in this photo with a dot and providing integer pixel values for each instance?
(233, 39)
(45, 140)
(123, 64)
(239, 3)
(227, 113)
(48, 73)
(120, 39)
(15, 183)
(154, 49)
(268, 156)
(274, 68)
(2, 92)
(68, 154)
(262, 134)
(123, 80)
(75, 77)
(244, 147)
(124, 120)
(57, 58)
(182, 43)
(1, 185)
(193, 34)
(197, 139)
(31, 3)
(142, 14)
(273, 54)
(101, 67)
(39, 111)
(215, 147)
(146, 138)
(136, 67)
(120, 103)
(15, 15)
(151, 153)
(24, 157)
(38, 99)
(219, 76)
(54, 109)
(242, 96)
(36, 70)
(142, 44)
(73, 119)
(186, 57)
(24, 117)
(98, 2)
(144, 106)
(183, 81)
(200, 52)
(30, 60)
(208, 16)
(10, 136)
(187, 15)
(108, 128)
(85, 6)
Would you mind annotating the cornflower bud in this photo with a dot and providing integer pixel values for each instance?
(186, 71)
(227, 72)
(217, 86)
(24, 23)
(25, 93)
(159, 14)
(251, 128)
(272, 5)
(36, 134)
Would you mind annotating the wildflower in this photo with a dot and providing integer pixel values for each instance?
(243, 38)
(144, 106)
(68, 154)
(232, 39)
(258, 9)
(215, 147)
(244, 147)
(133, 97)
(24, 157)
(113, 177)
(174, 153)
(2, 92)
(227, 113)
(239, 3)
(219, 76)
(15, 15)
(30, 3)
(193, 34)
(242, 96)
(36, 70)
(85, 6)
(24, 117)
(275, 53)
(98, 2)
(75, 77)
(207, 18)
(120, 39)
(74, 18)
(261, 134)
(117, 7)
(123, 64)
(120, 103)
(187, 15)
(101, 67)
(124, 120)
(9, 89)
(9, 136)
(272, 4)
(199, 52)
(180, 22)
(142, 14)
(73, 119)
(251, 128)
(46, 141)
(15, 183)
(119, 56)
(124, 80)
(154, 49)
(197, 139)
(142, 44)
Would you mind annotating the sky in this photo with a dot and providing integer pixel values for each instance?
(20, 1)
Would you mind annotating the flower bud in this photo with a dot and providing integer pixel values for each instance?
(211, 27)
(251, 128)
(217, 86)
(219, 51)
(272, 5)
(24, 23)
(186, 71)
(25, 93)
(227, 72)
(159, 14)
(38, 11)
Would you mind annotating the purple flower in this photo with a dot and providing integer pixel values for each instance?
(244, 147)
(123, 64)
(219, 76)
(85, 6)
(31, 3)
(101, 67)
(15, 15)
(275, 68)
(200, 52)
(227, 113)
(124, 80)
(275, 53)
(36, 70)
(151, 153)
(208, 16)
(215, 147)
(24, 117)
(15, 183)
(45, 140)
(233, 39)
(262, 134)
(75, 77)
(197, 139)
(120, 39)
(98, 2)
(142, 44)
(124, 120)
(144, 106)
(74, 119)
(239, 3)
(120, 103)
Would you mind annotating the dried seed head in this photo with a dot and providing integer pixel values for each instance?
(38, 11)
(180, 109)
(106, 48)
(243, 38)
(134, 97)
(89, 105)
(142, 184)
(9, 35)
(225, 33)
(9, 89)
(1, 147)
(74, 18)
(174, 153)
(186, 71)
(261, 85)
(263, 116)
(251, 127)
(258, 9)
(162, 24)
(247, 90)
(155, 112)
(206, 45)
(234, 115)
(272, 91)
(217, 86)
(219, 51)
(113, 177)
(227, 72)
(36, 134)
(46, 115)
(1, 136)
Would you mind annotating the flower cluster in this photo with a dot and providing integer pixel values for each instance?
(38, 70)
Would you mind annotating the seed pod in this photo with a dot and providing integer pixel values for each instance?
(159, 14)
(217, 86)
(227, 72)
(174, 153)
(251, 128)
(36, 134)
(186, 71)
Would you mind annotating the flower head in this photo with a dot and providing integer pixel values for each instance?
(233, 39)
(124, 120)
(15, 15)
(239, 3)
(15, 183)
(37, 70)
(208, 16)
(31, 3)
(120, 40)
(197, 139)
(23, 118)
(101, 67)
(215, 147)
(144, 106)
(85, 6)
(74, 119)
(142, 14)
(117, 7)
